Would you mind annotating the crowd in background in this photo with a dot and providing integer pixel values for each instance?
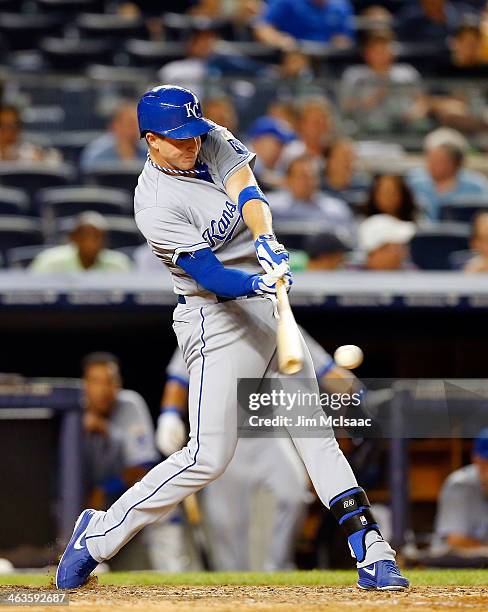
(324, 91)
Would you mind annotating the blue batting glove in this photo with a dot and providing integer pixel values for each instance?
(270, 252)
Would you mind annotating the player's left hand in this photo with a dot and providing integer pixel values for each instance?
(265, 284)
(270, 252)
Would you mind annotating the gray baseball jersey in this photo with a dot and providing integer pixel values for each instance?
(130, 440)
(182, 214)
(463, 506)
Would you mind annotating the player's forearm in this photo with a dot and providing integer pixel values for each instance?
(209, 272)
(175, 397)
(255, 212)
(458, 540)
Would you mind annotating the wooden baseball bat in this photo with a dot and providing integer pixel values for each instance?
(197, 534)
(290, 353)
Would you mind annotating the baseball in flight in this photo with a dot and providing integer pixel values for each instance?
(349, 356)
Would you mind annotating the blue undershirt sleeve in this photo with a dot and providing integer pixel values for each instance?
(208, 271)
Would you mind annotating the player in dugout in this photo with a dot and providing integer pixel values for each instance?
(199, 207)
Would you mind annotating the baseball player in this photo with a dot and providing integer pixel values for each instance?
(199, 207)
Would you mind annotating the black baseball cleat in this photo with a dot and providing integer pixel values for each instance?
(76, 564)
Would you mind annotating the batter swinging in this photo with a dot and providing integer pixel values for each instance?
(199, 207)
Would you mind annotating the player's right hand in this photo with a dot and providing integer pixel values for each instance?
(170, 432)
(265, 284)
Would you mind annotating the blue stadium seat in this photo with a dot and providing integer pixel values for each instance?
(13, 201)
(463, 210)
(18, 231)
(153, 53)
(33, 177)
(110, 26)
(72, 143)
(68, 201)
(21, 257)
(433, 244)
(24, 31)
(458, 259)
(294, 233)
(70, 54)
(122, 232)
(117, 175)
(68, 8)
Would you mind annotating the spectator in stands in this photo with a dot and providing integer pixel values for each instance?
(295, 66)
(301, 200)
(326, 251)
(380, 95)
(315, 130)
(340, 178)
(465, 53)
(205, 56)
(121, 143)
(462, 512)
(85, 250)
(390, 195)
(383, 241)
(285, 110)
(221, 110)
(118, 432)
(479, 244)
(431, 21)
(443, 178)
(14, 148)
(192, 71)
(267, 137)
(284, 23)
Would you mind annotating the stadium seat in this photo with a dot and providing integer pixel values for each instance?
(153, 54)
(294, 233)
(458, 259)
(120, 176)
(8, 6)
(464, 210)
(13, 201)
(24, 31)
(433, 244)
(72, 143)
(18, 231)
(33, 177)
(109, 26)
(122, 232)
(69, 201)
(45, 118)
(69, 54)
(21, 257)
(68, 8)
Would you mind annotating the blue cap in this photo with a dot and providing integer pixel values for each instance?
(481, 444)
(271, 126)
(172, 111)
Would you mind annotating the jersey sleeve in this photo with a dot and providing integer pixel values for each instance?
(322, 361)
(225, 154)
(176, 369)
(169, 232)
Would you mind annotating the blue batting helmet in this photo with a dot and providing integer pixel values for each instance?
(172, 111)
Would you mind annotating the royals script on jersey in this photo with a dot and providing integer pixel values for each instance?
(182, 214)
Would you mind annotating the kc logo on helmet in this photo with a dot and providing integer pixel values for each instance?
(193, 108)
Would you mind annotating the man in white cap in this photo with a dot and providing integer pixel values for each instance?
(85, 250)
(383, 240)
